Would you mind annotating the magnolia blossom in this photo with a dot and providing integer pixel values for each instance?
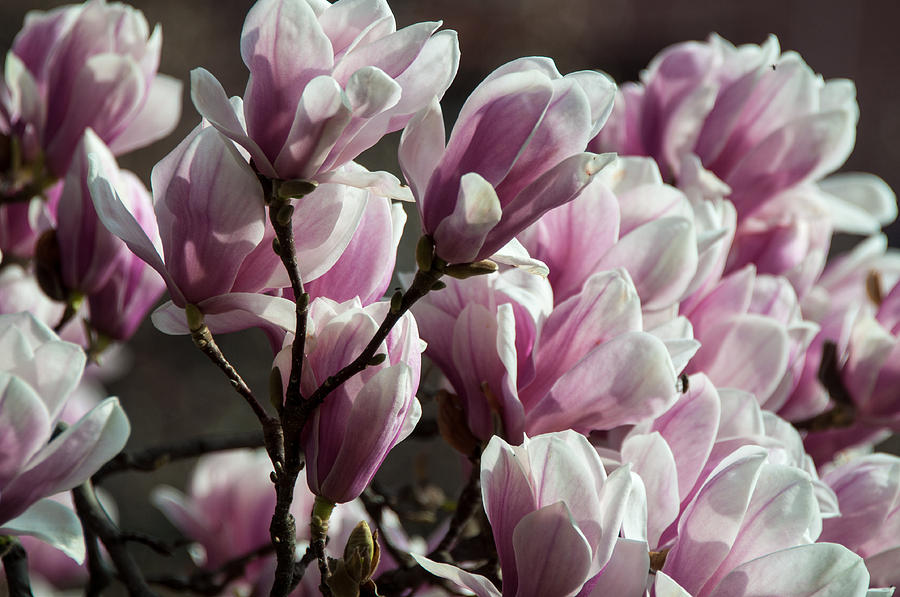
(516, 151)
(584, 364)
(676, 453)
(327, 81)
(555, 516)
(216, 250)
(626, 218)
(87, 65)
(91, 257)
(37, 374)
(750, 531)
(868, 490)
(348, 437)
(731, 109)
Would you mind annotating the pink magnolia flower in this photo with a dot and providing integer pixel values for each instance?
(584, 364)
(729, 107)
(89, 253)
(750, 531)
(87, 65)
(37, 374)
(677, 452)
(327, 81)
(216, 250)
(732, 109)
(752, 336)
(855, 301)
(868, 490)
(365, 267)
(516, 151)
(626, 218)
(555, 516)
(350, 434)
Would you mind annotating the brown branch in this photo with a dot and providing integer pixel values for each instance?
(203, 339)
(375, 505)
(154, 457)
(396, 582)
(95, 521)
(213, 582)
(15, 565)
(421, 285)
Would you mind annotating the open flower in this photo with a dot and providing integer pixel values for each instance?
(86, 65)
(555, 516)
(38, 372)
(327, 81)
(516, 151)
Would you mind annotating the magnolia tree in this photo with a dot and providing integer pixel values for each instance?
(657, 382)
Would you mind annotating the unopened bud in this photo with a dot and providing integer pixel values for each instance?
(452, 423)
(396, 302)
(359, 553)
(276, 389)
(438, 285)
(377, 359)
(461, 271)
(285, 213)
(292, 189)
(425, 253)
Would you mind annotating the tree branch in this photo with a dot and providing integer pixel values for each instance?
(15, 565)
(203, 339)
(396, 582)
(214, 582)
(95, 520)
(154, 457)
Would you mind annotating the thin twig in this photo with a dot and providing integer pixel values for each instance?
(280, 212)
(375, 505)
(204, 340)
(396, 582)
(421, 285)
(154, 457)
(95, 520)
(15, 564)
(214, 582)
(98, 572)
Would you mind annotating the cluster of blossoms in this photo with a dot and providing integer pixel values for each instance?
(661, 386)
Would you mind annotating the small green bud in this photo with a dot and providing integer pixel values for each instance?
(425, 253)
(359, 553)
(396, 302)
(276, 389)
(285, 213)
(438, 285)
(461, 271)
(291, 189)
(276, 245)
(377, 359)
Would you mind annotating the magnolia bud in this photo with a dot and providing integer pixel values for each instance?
(290, 189)
(461, 271)
(425, 253)
(361, 553)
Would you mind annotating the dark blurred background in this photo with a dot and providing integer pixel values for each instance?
(173, 392)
